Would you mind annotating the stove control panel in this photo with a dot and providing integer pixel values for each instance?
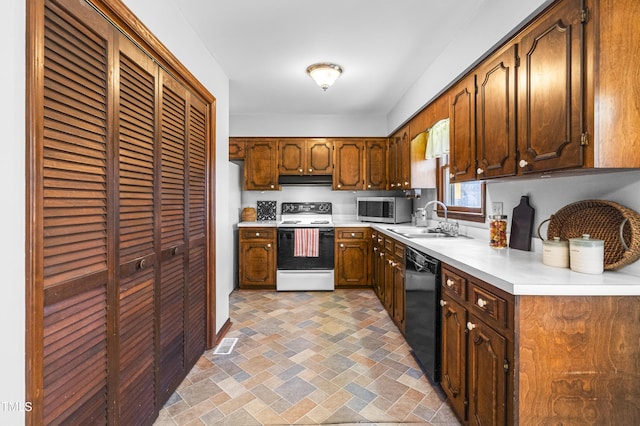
(306, 208)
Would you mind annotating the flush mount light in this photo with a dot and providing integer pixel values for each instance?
(324, 74)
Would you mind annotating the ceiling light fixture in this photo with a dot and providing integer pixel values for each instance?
(324, 74)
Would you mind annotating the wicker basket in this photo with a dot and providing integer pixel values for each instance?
(249, 214)
(617, 225)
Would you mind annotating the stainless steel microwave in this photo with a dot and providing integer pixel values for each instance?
(384, 209)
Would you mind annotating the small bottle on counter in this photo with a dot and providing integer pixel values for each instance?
(498, 231)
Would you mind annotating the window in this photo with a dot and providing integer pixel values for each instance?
(464, 200)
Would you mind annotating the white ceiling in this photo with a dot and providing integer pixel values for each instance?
(265, 46)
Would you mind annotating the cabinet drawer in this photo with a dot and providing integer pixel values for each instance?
(487, 305)
(257, 233)
(388, 244)
(398, 252)
(454, 283)
(351, 234)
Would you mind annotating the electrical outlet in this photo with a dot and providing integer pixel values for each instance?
(496, 208)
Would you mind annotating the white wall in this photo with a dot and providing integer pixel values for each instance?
(12, 214)
(307, 125)
(166, 22)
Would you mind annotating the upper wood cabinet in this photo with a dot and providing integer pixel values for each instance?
(305, 157)
(236, 148)
(375, 164)
(496, 115)
(462, 137)
(348, 171)
(550, 90)
(399, 160)
(261, 166)
(393, 153)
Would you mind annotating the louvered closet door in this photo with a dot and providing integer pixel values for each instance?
(75, 213)
(137, 235)
(197, 202)
(172, 220)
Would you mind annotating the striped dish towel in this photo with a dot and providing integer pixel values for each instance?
(306, 242)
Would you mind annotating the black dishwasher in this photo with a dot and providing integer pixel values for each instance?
(422, 327)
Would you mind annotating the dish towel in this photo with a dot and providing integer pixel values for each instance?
(306, 242)
(438, 142)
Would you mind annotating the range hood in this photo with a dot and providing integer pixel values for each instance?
(305, 180)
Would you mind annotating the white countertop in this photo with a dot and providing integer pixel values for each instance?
(514, 271)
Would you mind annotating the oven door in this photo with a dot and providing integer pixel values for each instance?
(287, 261)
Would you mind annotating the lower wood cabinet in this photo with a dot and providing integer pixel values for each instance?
(477, 349)
(257, 258)
(352, 257)
(387, 275)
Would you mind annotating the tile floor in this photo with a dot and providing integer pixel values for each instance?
(308, 358)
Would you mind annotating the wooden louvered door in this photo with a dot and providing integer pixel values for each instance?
(137, 235)
(77, 257)
(119, 222)
(173, 129)
(196, 232)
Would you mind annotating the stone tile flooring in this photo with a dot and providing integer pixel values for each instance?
(308, 358)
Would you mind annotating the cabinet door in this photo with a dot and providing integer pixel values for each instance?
(292, 156)
(462, 137)
(348, 173)
(454, 350)
(398, 294)
(377, 271)
(376, 164)
(319, 157)
(392, 162)
(550, 97)
(236, 149)
(487, 369)
(260, 167)
(496, 115)
(257, 263)
(388, 282)
(404, 166)
(352, 263)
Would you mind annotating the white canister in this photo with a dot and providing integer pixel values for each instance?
(555, 253)
(586, 255)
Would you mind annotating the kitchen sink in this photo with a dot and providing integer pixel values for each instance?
(423, 233)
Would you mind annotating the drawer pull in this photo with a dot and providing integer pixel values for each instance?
(450, 282)
(470, 326)
(353, 234)
(481, 302)
(443, 303)
(257, 234)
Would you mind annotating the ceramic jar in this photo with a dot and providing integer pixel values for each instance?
(555, 253)
(586, 255)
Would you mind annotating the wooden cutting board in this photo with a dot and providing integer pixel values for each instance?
(522, 225)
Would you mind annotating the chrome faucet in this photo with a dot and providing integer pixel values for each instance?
(444, 206)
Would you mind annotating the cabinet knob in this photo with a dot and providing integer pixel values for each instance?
(379, 240)
(399, 184)
(381, 254)
(393, 185)
(257, 234)
(443, 303)
(341, 245)
(339, 186)
(375, 249)
(406, 183)
(268, 246)
(481, 302)
(300, 170)
(523, 164)
(451, 175)
(310, 170)
(470, 326)
(479, 171)
(450, 282)
(369, 186)
(353, 234)
(272, 186)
